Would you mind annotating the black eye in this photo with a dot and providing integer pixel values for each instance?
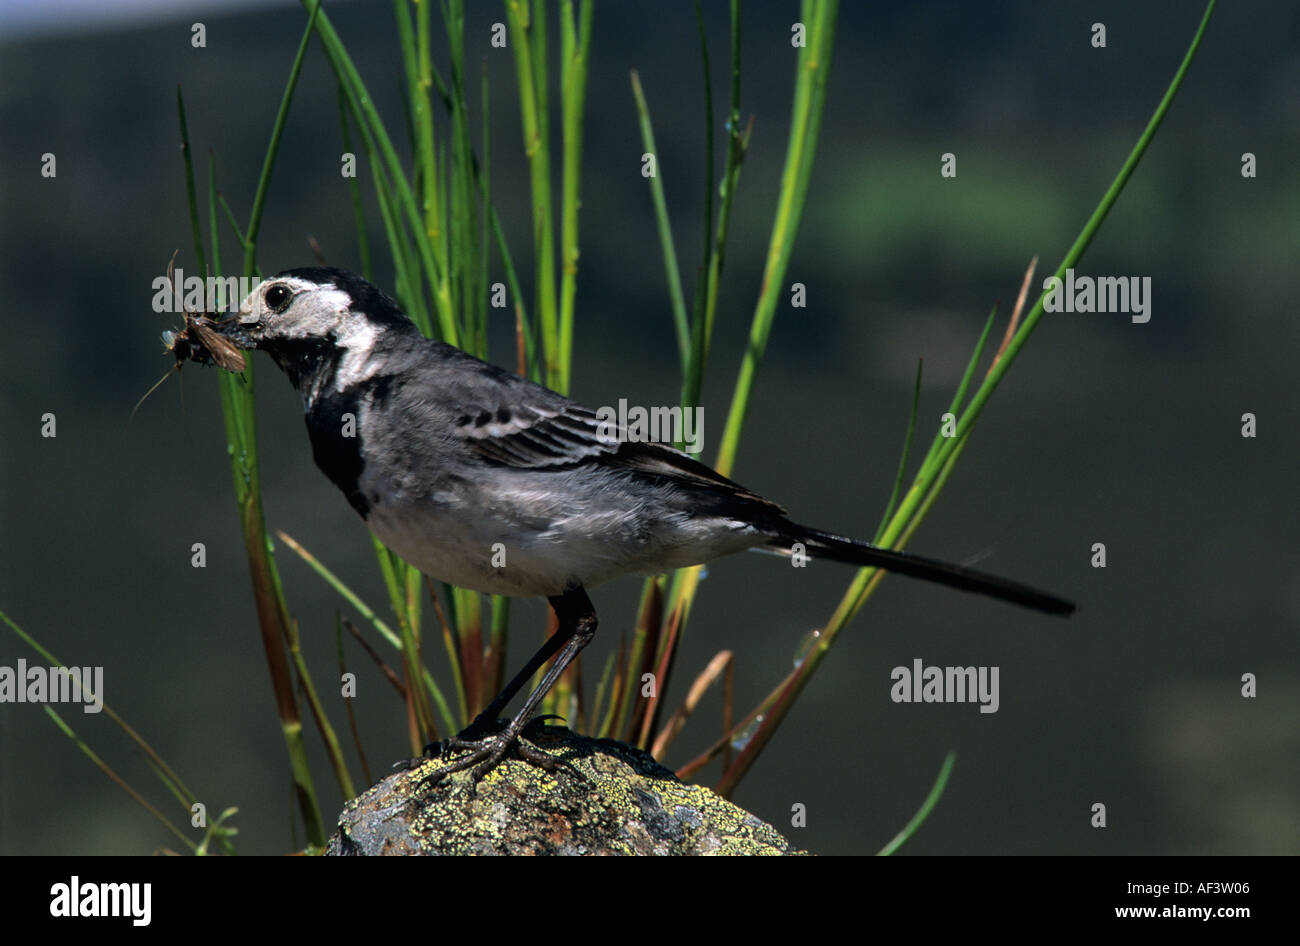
(278, 297)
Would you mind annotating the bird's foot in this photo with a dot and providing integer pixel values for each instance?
(487, 742)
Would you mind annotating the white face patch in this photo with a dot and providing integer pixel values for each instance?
(315, 311)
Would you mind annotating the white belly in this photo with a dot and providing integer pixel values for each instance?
(526, 544)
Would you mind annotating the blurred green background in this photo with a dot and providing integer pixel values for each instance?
(1105, 431)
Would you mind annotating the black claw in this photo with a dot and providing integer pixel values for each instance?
(484, 754)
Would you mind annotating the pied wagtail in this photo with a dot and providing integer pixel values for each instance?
(449, 456)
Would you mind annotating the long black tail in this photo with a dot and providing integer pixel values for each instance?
(824, 545)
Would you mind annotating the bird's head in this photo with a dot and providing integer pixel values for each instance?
(306, 319)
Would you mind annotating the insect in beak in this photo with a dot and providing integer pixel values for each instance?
(200, 340)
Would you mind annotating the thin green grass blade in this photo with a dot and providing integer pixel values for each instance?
(813, 71)
(231, 221)
(676, 300)
(528, 41)
(958, 396)
(114, 777)
(931, 801)
(575, 53)
(347, 702)
(333, 749)
(902, 460)
(354, 190)
(195, 228)
(273, 146)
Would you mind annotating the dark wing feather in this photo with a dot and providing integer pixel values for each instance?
(537, 436)
(562, 435)
(521, 425)
(659, 461)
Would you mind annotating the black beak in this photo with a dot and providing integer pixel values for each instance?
(241, 335)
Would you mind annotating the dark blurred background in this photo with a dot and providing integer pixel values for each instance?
(1105, 431)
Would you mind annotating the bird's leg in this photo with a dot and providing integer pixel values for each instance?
(576, 627)
(489, 720)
